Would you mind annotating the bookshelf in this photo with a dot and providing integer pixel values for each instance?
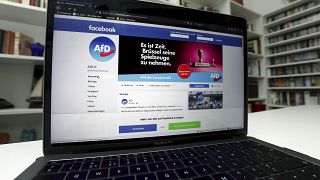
(19, 111)
(16, 71)
(19, 59)
(292, 53)
(21, 13)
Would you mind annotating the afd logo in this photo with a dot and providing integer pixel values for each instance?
(102, 49)
(216, 76)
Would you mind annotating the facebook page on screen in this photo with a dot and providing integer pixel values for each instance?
(115, 79)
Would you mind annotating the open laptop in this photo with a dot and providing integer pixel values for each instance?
(137, 90)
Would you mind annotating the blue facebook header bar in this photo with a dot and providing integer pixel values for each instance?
(86, 26)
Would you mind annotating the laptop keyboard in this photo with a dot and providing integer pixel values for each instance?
(226, 161)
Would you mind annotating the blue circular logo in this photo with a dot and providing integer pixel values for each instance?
(102, 49)
(124, 101)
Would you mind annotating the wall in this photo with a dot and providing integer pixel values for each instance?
(264, 6)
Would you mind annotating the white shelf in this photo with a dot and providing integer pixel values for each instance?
(294, 63)
(294, 51)
(256, 99)
(294, 16)
(17, 111)
(294, 75)
(254, 55)
(255, 76)
(293, 28)
(18, 59)
(293, 40)
(16, 12)
(294, 88)
(289, 6)
(277, 106)
(253, 35)
(242, 11)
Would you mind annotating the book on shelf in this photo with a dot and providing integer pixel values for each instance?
(295, 46)
(199, 5)
(253, 89)
(296, 22)
(35, 98)
(293, 10)
(295, 34)
(254, 68)
(298, 69)
(15, 43)
(238, 1)
(312, 98)
(254, 46)
(299, 57)
(294, 98)
(312, 81)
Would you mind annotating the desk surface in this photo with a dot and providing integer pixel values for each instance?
(296, 128)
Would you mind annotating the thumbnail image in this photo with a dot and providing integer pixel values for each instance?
(199, 100)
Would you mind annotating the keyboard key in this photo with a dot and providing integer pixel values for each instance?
(203, 178)
(110, 163)
(291, 175)
(190, 153)
(271, 168)
(205, 159)
(61, 161)
(137, 169)
(235, 164)
(273, 177)
(149, 176)
(203, 170)
(190, 162)
(51, 169)
(310, 169)
(162, 157)
(167, 175)
(220, 167)
(50, 176)
(125, 178)
(79, 175)
(311, 176)
(100, 173)
(292, 163)
(157, 167)
(185, 173)
(90, 165)
(119, 171)
(256, 171)
(241, 174)
(71, 167)
(220, 157)
(222, 176)
(175, 164)
(176, 155)
(144, 159)
(128, 161)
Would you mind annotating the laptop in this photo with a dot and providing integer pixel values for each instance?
(141, 91)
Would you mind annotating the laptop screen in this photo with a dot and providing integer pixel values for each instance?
(120, 75)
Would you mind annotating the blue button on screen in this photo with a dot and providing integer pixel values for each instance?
(199, 85)
(137, 128)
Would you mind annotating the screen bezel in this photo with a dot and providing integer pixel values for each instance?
(140, 8)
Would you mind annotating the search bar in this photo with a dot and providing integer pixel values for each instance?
(204, 38)
(179, 36)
